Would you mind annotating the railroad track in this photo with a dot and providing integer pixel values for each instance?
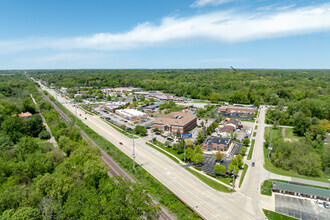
(114, 168)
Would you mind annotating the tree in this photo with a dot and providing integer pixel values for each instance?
(246, 141)
(197, 158)
(189, 142)
(240, 162)
(189, 153)
(13, 127)
(301, 124)
(198, 150)
(26, 213)
(44, 134)
(5, 142)
(233, 168)
(243, 150)
(317, 130)
(218, 155)
(220, 169)
(26, 145)
(202, 123)
(215, 97)
(167, 143)
(140, 130)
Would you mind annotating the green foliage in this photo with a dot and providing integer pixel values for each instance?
(218, 155)
(140, 130)
(197, 158)
(246, 141)
(26, 213)
(243, 150)
(243, 175)
(220, 169)
(276, 216)
(44, 134)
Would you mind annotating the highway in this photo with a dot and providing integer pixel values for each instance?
(207, 202)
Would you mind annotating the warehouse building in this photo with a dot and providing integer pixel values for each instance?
(131, 114)
(176, 122)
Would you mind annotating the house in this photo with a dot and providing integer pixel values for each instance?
(176, 122)
(214, 143)
(25, 116)
(226, 131)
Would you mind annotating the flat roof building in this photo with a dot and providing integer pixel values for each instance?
(176, 122)
(250, 109)
(131, 114)
(299, 190)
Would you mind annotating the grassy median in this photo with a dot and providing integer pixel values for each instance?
(214, 184)
(251, 149)
(243, 175)
(163, 152)
(276, 216)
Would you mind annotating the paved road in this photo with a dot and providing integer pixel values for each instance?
(206, 201)
(255, 176)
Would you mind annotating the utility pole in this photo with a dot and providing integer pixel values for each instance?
(234, 178)
(133, 155)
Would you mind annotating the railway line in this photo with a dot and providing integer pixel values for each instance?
(114, 168)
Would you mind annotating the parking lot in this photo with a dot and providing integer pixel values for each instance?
(300, 208)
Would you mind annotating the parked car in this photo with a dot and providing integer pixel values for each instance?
(253, 164)
(125, 121)
(79, 114)
(86, 118)
(121, 143)
(327, 205)
(319, 203)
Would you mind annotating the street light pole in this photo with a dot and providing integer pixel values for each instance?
(133, 155)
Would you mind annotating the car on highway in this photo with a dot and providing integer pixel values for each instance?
(253, 164)
(79, 114)
(121, 143)
(125, 121)
(86, 118)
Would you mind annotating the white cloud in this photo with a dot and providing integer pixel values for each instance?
(202, 3)
(223, 26)
(286, 7)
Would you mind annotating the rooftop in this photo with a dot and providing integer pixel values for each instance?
(131, 112)
(217, 140)
(301, 189)
(25, 114)
(176, 118)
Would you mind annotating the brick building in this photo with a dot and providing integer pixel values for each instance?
(215, 143)
(250, 109)
(176, 121)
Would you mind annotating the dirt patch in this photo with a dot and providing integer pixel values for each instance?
(283, 132)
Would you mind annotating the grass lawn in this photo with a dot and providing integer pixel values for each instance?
(169, 149)
(126, 133)
(251, 149)
(276, 216)
(215, 185)
(243, 175)
(226, 180)
(289, 133)
(256, 127)
(167, 154)
(254, 134)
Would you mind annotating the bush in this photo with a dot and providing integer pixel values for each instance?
(45, 135)
(197, 168)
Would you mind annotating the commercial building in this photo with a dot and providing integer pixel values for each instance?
(226, 131)
(151, 108)
(250, 109)
(131, 114)
(214, 143)
(113, 105)
(176, 122)
(303, 191)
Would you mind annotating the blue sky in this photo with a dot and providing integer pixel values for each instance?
(164, 34)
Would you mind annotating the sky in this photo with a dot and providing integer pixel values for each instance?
(128, 34)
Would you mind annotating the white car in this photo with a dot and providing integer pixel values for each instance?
(319, 203)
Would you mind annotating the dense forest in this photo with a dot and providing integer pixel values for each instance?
(245, 86)
(38, 181)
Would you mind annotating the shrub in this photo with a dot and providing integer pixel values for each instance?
(45, 135)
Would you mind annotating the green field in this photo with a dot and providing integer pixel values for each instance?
(251, 149)
(276, 216)
(167, 154)
(215, 185)
(243, 175)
